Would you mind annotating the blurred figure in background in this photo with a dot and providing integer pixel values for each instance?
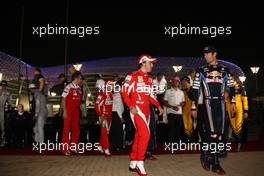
(20, 124)
(85, 91)
(158, 88)
(5, 98)
(191, 76)
(100, 83)
(58, 120)
(115, 77)
(187, 117)
(71, 102)
(39, 82)
(174, 100)
(116, 130)
(227, 131)
(160, 85)
(241, 115)
(40, 113)
(129, 126)
(103, 108)
(58, 88)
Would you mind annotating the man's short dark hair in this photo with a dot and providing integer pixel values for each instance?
(98, 76)
(192, 71)
(140, 65)
(76, 75)
(210, 49)
(160, 74)
(61, 76)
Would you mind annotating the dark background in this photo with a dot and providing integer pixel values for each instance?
(129, 32)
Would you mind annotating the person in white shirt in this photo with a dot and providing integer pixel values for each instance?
(99, 83)
(160, 86)
(116, 129)
(160, 83)
(174, 100)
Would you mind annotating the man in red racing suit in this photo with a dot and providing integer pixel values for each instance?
(103, 108)
(71, 101)
(137, 94)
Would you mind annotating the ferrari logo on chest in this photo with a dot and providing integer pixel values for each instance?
(140, 79)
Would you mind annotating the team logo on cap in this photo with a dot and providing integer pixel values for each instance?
(145, 58)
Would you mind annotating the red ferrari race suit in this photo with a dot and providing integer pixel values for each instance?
(72, 95)
(137, 92)
(103, 108)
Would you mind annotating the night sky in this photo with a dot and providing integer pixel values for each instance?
(128, 32)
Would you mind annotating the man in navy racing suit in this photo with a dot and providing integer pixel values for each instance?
(211, 81)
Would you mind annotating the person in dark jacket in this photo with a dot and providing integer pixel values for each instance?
(21, 124)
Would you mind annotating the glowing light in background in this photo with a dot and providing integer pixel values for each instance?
(254, 70)
(77, 66)
(177, 68)
(242, 78)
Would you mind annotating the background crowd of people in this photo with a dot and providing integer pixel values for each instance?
(174, 125)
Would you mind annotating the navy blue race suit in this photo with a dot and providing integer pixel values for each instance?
(212, 81)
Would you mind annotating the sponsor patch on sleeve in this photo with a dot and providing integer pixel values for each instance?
(128, 78)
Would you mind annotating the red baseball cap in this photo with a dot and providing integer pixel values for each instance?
(145, 57)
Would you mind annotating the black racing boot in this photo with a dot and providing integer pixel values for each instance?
(216, 167)
(205, 160)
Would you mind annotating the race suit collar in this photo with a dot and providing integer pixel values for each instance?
(141, 72)
(75, 85)
(216, 63)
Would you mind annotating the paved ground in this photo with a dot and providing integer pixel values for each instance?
(237, 164)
